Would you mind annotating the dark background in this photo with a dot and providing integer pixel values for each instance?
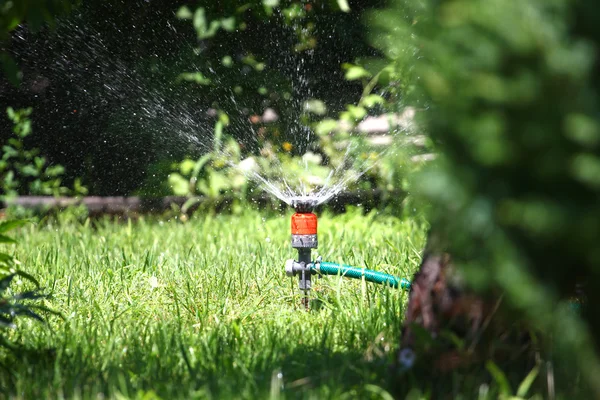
(107, 103)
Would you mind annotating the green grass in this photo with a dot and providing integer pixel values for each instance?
(204, 309)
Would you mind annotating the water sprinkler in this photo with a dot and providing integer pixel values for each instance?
(304, 239)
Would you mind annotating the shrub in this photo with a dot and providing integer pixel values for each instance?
(24, 171)
(512, 104)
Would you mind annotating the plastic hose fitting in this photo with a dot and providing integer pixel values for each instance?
(304, 231)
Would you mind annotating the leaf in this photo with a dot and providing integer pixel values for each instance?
(212, 29)
(379, 391)
(30, 278)
(356, 112)
(228, 24)
(499, 377)
(192, 201)
(6, 239)
(10, 112)
(179, 185)
(326, 126)
(354, 72)
(186, 167)
(6, 323)
(29, 295)
(527, 382)
(9, 225)
(371, 100)
(343, 4)
(184, 13)
(198, 165)
(227, 61)
(46, 309)
(268, 5)
(55, 170)
(200, 22)
(5, 282)
(315, 106)
(196, 77)
(24, 311)
(29, 170)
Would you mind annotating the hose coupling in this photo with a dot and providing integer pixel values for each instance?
(293, 267)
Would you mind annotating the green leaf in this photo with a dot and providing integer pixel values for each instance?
(198, 165)
(30, 278)
(499, 377)
(203, 28)
(212, 29)
(55, 170)
(199, 22)
(6, 239)
(354, 72)
(9, 152)
(527, 382)
(179, 185)
(371, 100)
(228, 24)
(269, 5)
(218, 136)
(196, 77)
(343, 4)
(186, 167)
(315, 106)
(192, 201)
(356, 112)
(227, 61)
(29, 170)
(326, 126)
(10, 225)
(184, 13)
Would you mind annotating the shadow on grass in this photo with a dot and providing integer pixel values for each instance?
(276, 372)
(271, 372)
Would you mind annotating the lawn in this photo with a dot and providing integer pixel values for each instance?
(165, 309)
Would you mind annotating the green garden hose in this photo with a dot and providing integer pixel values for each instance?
(329, 268)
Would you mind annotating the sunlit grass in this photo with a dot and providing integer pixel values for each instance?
(203, 309)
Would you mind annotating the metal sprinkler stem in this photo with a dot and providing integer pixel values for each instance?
(304, 238)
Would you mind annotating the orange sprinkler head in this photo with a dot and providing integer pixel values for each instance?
(304, 224)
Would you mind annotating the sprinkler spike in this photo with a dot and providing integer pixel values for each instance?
(304, 238)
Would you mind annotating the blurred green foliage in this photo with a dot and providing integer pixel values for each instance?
(508, 92)
(24, 171)
(275, 70)
(339, 156)
(278, 150)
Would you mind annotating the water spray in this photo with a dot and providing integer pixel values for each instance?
(304, 239)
